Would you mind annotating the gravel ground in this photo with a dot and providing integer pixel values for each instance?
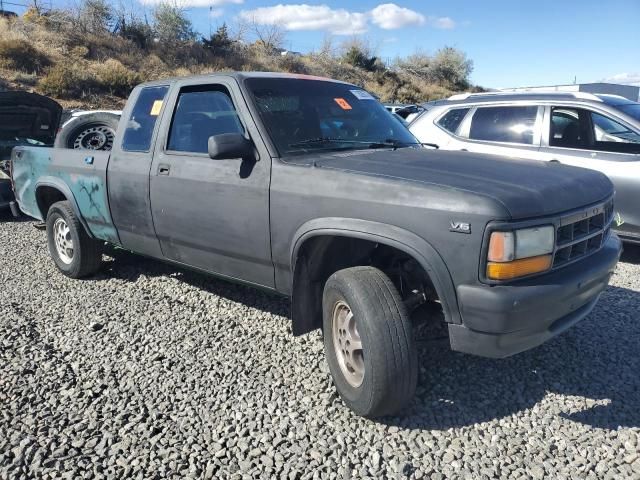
(149, 371)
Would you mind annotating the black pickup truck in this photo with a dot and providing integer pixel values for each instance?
(307, 187)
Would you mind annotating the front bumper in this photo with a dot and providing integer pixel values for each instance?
(502, 320)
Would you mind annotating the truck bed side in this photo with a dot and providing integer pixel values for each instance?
(79, 175)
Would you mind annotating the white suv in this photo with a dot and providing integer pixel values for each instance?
(600, 132)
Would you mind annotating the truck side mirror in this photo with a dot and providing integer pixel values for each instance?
(230, 145)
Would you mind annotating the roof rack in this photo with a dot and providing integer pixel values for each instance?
(582, 95)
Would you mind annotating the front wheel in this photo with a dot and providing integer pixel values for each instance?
(75, 253)
(368, 342)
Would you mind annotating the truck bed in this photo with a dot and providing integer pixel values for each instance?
(80, 174)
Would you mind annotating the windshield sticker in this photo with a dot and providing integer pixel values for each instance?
(342, 103)
(155, 108)
(362, 95)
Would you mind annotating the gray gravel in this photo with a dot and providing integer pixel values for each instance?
(150, 371)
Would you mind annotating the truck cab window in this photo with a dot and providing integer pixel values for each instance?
(141, 123)
(200, 114)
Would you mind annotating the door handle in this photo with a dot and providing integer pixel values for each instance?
(553, 160)
(163, 169)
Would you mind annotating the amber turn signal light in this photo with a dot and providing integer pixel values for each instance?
(518, 268)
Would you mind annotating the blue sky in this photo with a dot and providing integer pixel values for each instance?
(512, 43)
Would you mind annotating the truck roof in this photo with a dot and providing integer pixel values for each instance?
(242, 76)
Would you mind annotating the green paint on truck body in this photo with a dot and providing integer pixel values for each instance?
(84, 183)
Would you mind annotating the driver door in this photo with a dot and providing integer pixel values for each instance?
(211, 214)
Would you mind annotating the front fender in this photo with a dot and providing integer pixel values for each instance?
(418, 248)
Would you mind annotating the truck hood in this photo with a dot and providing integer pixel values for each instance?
(27, 118)
(525, 188)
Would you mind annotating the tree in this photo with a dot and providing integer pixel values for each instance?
(95, 16)
(171, 25)
(451, 66)
(220, 42)
(268, 36)
(359, 53)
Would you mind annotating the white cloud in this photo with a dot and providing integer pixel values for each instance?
(194, 3)
(309, 17)
(624, 78)
(444, 23)
(340, 21)
(390, 16)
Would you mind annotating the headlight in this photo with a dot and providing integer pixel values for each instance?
(520, 252)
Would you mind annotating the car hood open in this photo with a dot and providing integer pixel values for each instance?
(26, 115)
(526, 188)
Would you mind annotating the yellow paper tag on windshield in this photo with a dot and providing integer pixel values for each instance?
(155, 108)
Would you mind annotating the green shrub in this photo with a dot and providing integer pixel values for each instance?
(116, 79)
(66, 80)
(20, 55)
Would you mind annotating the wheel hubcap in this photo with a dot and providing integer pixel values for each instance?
(97, 137)
(63, 241)
(347, 344)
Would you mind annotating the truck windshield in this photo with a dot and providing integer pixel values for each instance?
(305, 115)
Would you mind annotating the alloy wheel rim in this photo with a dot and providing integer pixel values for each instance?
(347, 344)
(63, 241)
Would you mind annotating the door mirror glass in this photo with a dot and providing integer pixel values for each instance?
(230, 145)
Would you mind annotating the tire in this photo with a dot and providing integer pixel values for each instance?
(93, 131)
(85, 255)
(388, 355)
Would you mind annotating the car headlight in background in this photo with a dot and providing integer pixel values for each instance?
(519, 253)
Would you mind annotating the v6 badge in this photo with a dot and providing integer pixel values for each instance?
(460, 227)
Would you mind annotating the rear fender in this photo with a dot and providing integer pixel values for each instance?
(63, 188)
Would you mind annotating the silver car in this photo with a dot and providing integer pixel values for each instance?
(600, 132)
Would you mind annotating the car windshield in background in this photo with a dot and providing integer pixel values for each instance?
(631, 109)
(306, 115)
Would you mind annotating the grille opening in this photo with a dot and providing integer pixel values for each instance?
(565, 234)
(582, 237)
(594, 243)
(596, 222)
(579, 249)
(562, 256)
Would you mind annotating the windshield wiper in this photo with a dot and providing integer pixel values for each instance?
(388, 143)
(323, 140)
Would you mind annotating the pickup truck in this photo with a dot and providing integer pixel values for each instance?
(307, 187)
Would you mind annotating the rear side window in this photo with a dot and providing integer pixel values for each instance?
(583, 129)
(200, 113)
(452, 119)
(504, 124)
(141, 123)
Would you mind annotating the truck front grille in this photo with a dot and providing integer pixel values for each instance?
(583, 233)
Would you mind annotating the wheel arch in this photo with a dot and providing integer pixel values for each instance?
(50, 190)
(305, 293)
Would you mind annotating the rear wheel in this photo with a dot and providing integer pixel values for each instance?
(75, 253)
(368, 342)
